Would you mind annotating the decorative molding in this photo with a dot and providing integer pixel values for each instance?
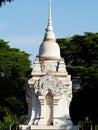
(48, 83)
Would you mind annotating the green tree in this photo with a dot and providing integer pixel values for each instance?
(4, 1)
(14, 68)
(81, 56)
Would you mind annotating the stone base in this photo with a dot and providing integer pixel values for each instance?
(52, 127)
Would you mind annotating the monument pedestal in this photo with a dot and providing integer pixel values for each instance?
(49, 90)
(48, 95)
(41, 127)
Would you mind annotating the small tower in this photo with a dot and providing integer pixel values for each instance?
(49, 48)
(49, 91)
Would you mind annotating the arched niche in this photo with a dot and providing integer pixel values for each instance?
(49, 109)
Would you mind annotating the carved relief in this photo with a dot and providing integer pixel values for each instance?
(48, 83)
(48, 67)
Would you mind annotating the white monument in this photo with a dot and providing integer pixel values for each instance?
(49, 91)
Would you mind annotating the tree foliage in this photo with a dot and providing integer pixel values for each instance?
(4, 1)
(81, 56)
(14, 68)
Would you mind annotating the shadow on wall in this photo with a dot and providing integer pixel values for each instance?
(68, 125)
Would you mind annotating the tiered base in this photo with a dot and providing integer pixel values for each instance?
(37, 127)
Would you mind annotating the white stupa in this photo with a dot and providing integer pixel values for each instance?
(49, 48)
(49, 91)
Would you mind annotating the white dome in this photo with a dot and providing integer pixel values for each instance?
(49, 49)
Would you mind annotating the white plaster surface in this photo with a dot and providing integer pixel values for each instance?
(48, 95)
(49, 91)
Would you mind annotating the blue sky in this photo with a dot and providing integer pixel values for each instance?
(23, 22)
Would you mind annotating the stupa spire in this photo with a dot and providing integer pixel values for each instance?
(49, 35)
(49, 47)
(50, 16)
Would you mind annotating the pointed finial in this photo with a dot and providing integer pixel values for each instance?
(50, 9)
(49, 35)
